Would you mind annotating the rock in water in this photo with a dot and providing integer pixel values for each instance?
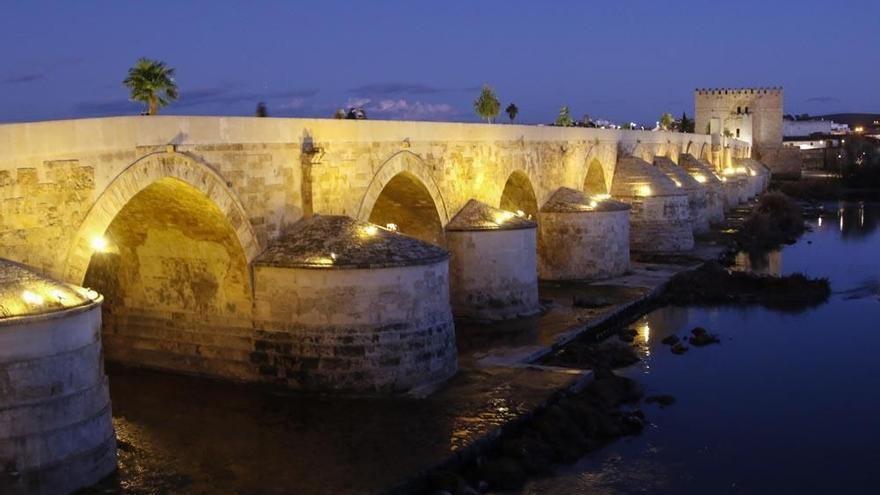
(700, 337)
(679, 348)
(670, 340)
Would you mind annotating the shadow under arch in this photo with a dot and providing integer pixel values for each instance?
(519, 195)
(137, 177)
(404, 193)
(594, 182)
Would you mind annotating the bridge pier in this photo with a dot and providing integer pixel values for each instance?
(348, 306)
(492, 264)
(581, 238)
(696, 193)
(660, 219)
(703, 173)
(56, 434)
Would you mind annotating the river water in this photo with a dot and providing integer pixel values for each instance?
(787, 403)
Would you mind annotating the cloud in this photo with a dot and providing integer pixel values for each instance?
(228, 94)
(822, 99)
(387, 89)
(23, 78)
(401, 108)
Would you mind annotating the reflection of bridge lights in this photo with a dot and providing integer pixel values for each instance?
(820, 221)
(503, 216)
(100, 244)
(32, 298)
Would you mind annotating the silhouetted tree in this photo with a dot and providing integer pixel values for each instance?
(686, 124)
(262, 111)
(512, 111)
(339, 114)
(151, 82)
(487, 105)
(586, 121)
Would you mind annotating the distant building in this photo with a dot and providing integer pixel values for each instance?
(806, 128)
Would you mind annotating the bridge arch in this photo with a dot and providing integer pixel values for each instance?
(404, 193)
(519, 194)
(157, 168)
(594, 180)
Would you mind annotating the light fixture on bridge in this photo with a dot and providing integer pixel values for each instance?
(643, 190)
(391, 226)
(370, 230)
(100, 244)
(32, 298)
(700, 178)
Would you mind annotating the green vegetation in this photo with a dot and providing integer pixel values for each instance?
(512, 111)
(151, 82)
(564, 117)
(727, 133)
(487, 105)
(339, 114)
(262, 111)
(666, 121)
(776, 220)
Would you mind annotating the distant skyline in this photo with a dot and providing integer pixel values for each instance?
(426, 61)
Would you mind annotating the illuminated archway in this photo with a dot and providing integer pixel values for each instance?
(407, 204)
(519, 195)
(594, 183)
(174, 277)
(137, 177)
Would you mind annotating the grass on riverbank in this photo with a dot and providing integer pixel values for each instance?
(713, 284)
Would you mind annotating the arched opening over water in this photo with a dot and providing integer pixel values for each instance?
(406, 203)
(175, 280)
(594, 183)
(519, 195)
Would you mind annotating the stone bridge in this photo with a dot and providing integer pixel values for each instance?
(167, 217)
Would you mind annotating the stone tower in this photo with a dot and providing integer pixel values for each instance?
(753, 115)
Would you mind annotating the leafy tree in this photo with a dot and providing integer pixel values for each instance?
(727, 133)
(151, 82)
(487, 105)
(666, 121)
(262, 111)
(564, 117)
(340, 114)
(586, 121)
(686, 124)
(512, 111)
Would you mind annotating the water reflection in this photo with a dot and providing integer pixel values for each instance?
(785, 404)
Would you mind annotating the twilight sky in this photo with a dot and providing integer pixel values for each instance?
(622, 60)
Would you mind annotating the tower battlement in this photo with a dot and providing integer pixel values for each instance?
(773, 90)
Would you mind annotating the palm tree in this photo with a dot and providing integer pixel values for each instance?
(151, 82)
(512, 110)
